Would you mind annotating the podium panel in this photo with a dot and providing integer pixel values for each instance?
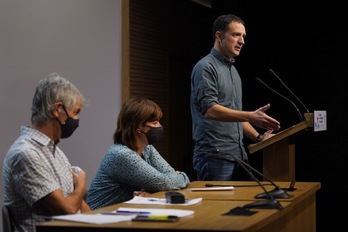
(279, 151)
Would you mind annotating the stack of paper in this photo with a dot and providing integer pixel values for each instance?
(122, 214)
(95, 218)
(160, 201)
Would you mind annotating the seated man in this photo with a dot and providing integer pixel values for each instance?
(38, 179)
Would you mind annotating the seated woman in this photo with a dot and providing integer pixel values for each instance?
(132, 165)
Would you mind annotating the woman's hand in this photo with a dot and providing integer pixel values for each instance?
(140, 193)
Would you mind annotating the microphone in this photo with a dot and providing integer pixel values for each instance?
(258, 80)
(273, 73)
(277, 192)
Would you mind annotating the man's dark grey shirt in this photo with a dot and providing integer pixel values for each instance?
(214, 80)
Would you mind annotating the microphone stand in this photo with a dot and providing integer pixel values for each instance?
(269, 202)
(274, 74)
(300, 116)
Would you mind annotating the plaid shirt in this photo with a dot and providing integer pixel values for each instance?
(33, 167)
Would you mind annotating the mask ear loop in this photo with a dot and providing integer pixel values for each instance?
(65, 111)
(140, 131)
(59, 105)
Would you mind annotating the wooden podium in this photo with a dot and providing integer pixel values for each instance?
(279, 151)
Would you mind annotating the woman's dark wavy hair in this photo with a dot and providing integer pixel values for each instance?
(135, 113)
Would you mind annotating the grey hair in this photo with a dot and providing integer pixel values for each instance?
(52, 89)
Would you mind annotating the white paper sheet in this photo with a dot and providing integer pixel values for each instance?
(95, 218)
(154, 211)
(113, 216)
(160, 201)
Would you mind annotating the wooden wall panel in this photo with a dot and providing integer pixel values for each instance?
(165, 39)
(148, 58)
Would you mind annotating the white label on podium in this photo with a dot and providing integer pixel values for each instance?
(320, 120)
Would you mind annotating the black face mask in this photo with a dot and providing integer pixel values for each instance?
(154, 134)
(69, 126)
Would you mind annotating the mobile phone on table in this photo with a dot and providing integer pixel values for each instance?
(156, 218)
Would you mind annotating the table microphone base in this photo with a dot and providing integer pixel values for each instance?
(264, 204)
(275, 193)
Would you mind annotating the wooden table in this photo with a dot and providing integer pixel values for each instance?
(245, 190)
(298, 213)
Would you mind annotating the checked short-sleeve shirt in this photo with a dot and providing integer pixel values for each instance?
(33, 167)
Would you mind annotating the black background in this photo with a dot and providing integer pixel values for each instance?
(306, 45)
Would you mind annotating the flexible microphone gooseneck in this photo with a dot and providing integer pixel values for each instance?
(274, 74)
(258, 80)
(277, 192)
(269, 203)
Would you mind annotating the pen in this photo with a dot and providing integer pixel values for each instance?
(124, 213)
(132, 212)
(116, 213)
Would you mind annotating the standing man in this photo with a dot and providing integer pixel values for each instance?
(38, 179)
(218, 120)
